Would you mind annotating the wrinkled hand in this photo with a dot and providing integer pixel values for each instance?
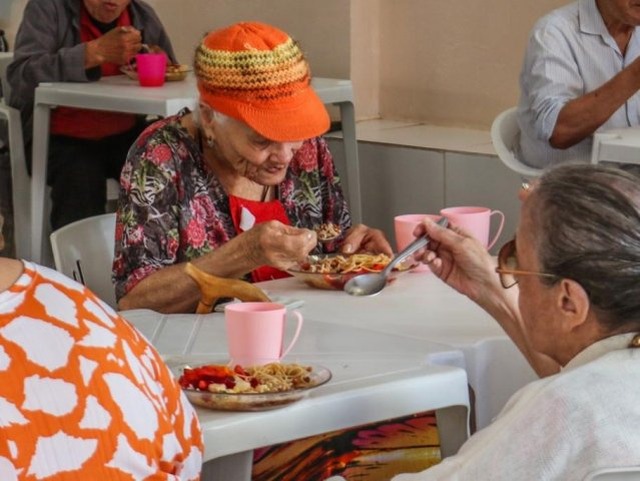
(361, 238)
(277, 245)
(119, 45)
(459, 259)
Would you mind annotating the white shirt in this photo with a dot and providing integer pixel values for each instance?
(570, 53)
(561, 427)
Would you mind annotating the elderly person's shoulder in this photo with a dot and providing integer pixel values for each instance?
(60, 342)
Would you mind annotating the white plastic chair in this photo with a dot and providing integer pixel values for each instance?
(83, 250)
(20, 182)
(504, 135)
(631, 473)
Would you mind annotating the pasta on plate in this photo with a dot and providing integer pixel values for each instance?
(332, 271)
(254, 388)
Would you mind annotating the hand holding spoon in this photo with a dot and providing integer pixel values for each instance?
(372, 283)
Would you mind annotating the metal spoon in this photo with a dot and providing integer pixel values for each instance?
(372, 283)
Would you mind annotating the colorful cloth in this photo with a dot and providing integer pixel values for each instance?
(83, 395)
(366, 453)
(174, 209)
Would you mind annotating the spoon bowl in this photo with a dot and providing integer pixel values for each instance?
(372, 283)
(327, 232)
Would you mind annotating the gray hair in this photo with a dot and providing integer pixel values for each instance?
(588, 218)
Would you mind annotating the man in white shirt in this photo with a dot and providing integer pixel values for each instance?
(581, 74)
(575, 315)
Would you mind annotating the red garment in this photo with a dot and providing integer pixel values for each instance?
(262, 211)
(93, 124)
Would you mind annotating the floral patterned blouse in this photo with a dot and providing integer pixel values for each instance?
(173, 209)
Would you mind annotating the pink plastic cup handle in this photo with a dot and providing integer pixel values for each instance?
(295, 336)
(499, 231)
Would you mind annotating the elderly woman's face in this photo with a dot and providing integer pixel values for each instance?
(250, 154)
(537, 300)
(105, 11)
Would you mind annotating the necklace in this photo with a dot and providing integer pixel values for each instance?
(265, 192)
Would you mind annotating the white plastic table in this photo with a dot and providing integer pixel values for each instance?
(422, 307)
(376, 377)
(121, 94)
(617, 145)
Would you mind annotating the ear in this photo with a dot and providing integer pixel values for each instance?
(206, 115)
(573, 304)
(207, 124)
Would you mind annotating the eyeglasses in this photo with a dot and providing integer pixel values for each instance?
(508, 266)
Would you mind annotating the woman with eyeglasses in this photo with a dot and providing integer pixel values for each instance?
(567, 292)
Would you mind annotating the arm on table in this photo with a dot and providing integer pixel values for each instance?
(171, 289)
(581, 117)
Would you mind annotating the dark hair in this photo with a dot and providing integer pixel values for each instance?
(589, 231)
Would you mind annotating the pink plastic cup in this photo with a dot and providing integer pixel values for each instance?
(255, 332)
(476, 221)
(404, 226)
(151, 68)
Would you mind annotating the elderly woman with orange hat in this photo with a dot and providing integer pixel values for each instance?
(236, 186)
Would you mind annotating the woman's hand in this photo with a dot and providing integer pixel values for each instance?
(277, 245)
(460, 260)
(361, 238)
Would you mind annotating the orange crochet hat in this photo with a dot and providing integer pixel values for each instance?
(256, 73)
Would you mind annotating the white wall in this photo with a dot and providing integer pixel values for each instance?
(440, 62)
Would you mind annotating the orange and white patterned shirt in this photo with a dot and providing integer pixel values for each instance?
(83, 395)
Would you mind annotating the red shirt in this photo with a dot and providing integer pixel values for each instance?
(262, 212)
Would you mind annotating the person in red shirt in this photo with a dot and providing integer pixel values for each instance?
(70, 40)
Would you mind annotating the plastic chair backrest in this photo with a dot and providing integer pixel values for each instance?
(630, 473)
(20, 182)
(83, 250)
(504, 135)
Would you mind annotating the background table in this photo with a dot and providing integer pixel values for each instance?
(376, 377)
(422, 307)
(121, 94)
(617, 145)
